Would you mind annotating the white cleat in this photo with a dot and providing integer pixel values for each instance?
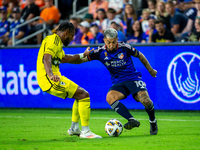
(71, 132)
(89, 135)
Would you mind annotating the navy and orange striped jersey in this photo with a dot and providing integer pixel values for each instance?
(119, 63)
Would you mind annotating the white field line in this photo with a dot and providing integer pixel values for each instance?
(43, 117)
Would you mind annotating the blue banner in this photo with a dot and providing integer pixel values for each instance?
(176, 87)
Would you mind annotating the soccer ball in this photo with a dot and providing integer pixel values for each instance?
(113, 127)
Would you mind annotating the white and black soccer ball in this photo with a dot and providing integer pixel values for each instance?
(113, 127)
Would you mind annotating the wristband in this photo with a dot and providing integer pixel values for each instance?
(81, 55)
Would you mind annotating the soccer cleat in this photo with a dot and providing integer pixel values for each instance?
(71, 132)
(131, 124)
(153, 127)
(89, 135)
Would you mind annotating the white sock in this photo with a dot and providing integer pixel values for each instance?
(75, 126)
(85, 128)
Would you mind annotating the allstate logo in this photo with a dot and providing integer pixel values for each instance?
(183, 77)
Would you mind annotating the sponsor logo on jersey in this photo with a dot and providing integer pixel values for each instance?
(107, 64)
(183, 77)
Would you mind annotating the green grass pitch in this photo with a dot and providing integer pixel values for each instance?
(44, 129)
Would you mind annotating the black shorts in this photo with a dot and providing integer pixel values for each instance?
(129, 87)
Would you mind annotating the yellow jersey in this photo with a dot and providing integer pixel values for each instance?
(52, 45)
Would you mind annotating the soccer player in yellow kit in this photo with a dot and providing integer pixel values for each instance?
(51, 81)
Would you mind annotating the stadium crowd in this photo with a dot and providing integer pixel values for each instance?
(156, 21)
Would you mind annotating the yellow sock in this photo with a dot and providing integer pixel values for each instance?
(75, 112)
(84, 111)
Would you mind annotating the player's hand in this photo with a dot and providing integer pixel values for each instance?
(87, 51)
(153, 72)
(55, 78)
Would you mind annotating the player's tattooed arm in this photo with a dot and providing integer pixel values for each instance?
(145, 62)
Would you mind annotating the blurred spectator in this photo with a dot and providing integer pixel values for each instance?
(150, 31)
(182, 5)
(97, 4)
(39, 3)
(4, 24)
(191, 14)
(178, 21)
(117, 5)
(19, 32)
(22, 4)
(128, 19)
(111, 16)
(30, 11)
(98, 36)
(121, 37)
(161, 13)
(124, 5)
(195, 36)
(4, 3)
(101, 15)
(78, 35)
(137, 33)
(152, 6)
(87, 37)
(163, 35)
(88, 17)
(146, 14)
(50, 15)
(11, 5)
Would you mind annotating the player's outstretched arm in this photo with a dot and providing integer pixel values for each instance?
(77, 58)
(145, 62)
(48, 68)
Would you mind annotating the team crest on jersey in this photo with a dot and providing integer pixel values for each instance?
(120, 55)
(62, 83)
(5, 25)
(106, 56)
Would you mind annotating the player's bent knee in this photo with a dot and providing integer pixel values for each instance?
(81, 93)
(110, 99)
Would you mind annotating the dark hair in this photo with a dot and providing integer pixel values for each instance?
(160, 20)
(66, 26)
(101, 9)
(111, 10)
(133, 14)
(170, 3)
(153, 1)
(74, 19)
(140, 31)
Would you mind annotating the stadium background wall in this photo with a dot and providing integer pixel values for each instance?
(177, 86)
